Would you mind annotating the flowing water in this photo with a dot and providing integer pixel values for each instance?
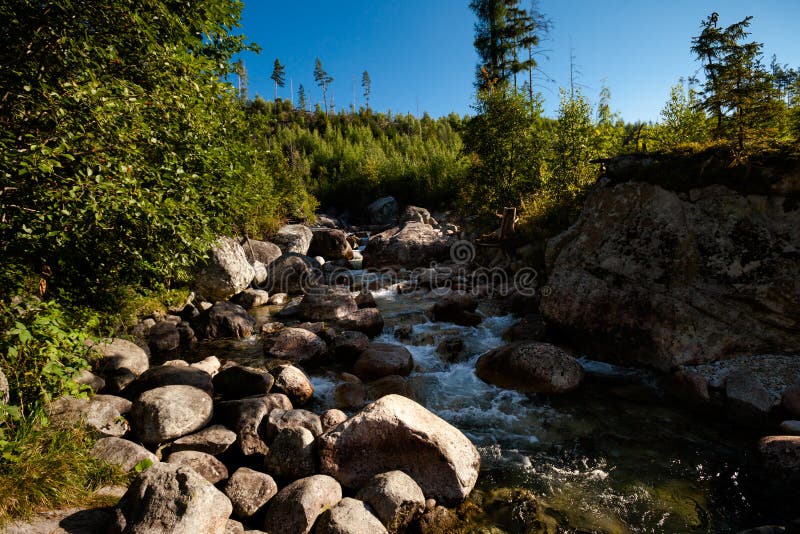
(612, 457)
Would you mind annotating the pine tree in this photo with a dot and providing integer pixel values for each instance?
(366, 84)
(278, 76)
(323, 80)
(301, 97)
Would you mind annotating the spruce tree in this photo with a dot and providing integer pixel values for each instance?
(366, 84)
(301, 97)
(323, 80)
(278, 76)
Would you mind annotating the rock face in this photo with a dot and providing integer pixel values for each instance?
(349, 516)
(295, 345)
(121, 452)
(170, 412)
(294, 238)
(121, 362)
(327, 303)
(383, 359)
(261, 251)
(655, 278)
(171, 498)
(293, 274)
(383, 211)
(530, 367)
(415, 245)
(331, 244)
(400, 434)
(225, 319)
(296, 507)
(395, 497)
(227, 272)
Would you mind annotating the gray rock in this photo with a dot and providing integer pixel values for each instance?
(418, 215)
(295, 345)
(383, 211)
(451, 349)
(530, 367)
(260, 274)
(172, 498)
(239, 381)
(245, 417)
(296, 507)
(291, 454)
(367, 320)
(227, 271)
(261, 251)
(397, 433)
(330, 419)
(383, 359)
(327, 303)
(249, 491)
(122, 405)
(415, 245)
(396, 499)
(225, 320)
(350, 395)
(349, 345)
(349, 516)
(101, 416)
(294, 238)
(164, 339)
(90, 379)
(278, 299)
(331, 244)
(170, 412)
(123, 453)
(170, 375)
(456, 307)
(252, 298)
(120, 362)
(745, 390)
(293, 383)
(293, 274)
(209, 364)
(212, 440)
(233, 527)
(365, 299)
(280, 419)
(205, 464)
(390, 385)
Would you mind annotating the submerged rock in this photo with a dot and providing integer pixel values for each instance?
(530, 367)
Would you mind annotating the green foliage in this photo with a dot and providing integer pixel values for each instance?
(47, 468)
(40, 354)
(573, 147)
(682, 120)
(507, 143)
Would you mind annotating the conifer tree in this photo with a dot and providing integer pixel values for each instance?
(301, 97)
(366, 84)
(278, 76)
(323, 81)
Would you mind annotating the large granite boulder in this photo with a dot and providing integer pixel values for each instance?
(172, 498)
(169, 412)
(103, 417)
(296, 507)
(225, 320)
(331, 244)
(227, 271)
(295, 345)
(291, 454)
(415, 245)
(397, 433)
(205, 464)
(327, 303)
(368, 321)
(121, 361)
(249, 491)
(396, 499)
(292, 273)
(239, 381)
(530, 367)
(383, 211)
(294, 238)
(260, 251)
(658, 278)
(169, 375)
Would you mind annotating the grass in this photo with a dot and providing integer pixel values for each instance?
(45, 468)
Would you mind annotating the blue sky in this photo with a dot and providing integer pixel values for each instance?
(420, 57)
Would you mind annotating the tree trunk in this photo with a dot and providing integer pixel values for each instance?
(507, 224)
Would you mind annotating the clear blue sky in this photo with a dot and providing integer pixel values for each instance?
(420, 57)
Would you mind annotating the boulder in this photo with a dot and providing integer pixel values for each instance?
(121, 361)
(245, 417)
(368, 321)
(280, 419)
(205, 464)
(349, 345)
(656, 278)
(249, 491)
(259, 275)
(278, 299)
(239, 381)
(164, 339)
(417, 215)
(390, 385)
(788, 427)
(260, 251)
(456, 307)
(296, 345)
(100, 416)
(234, 527)
(744, 389)
(172, 498)
(294, 238)
(396, 499)
(383, 359)
(415, 245)
(293, 383)
(210, 365)
(781, 454)
(122, 453)
(225, 320)
(350, 395)
(400, 434)
(169, 412)
(122, 404)
(529, 328)
(451, 349)
(293, 274)
(291, 454)
(212, 440)
(365, 299)
(226, 273)
(296, 507)
(331, 419)
(331, 244)
(252, 298)
(88, 378)
(327, 303)
(169, 375)
(383, 211)
(348, 516)
(530, 367)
